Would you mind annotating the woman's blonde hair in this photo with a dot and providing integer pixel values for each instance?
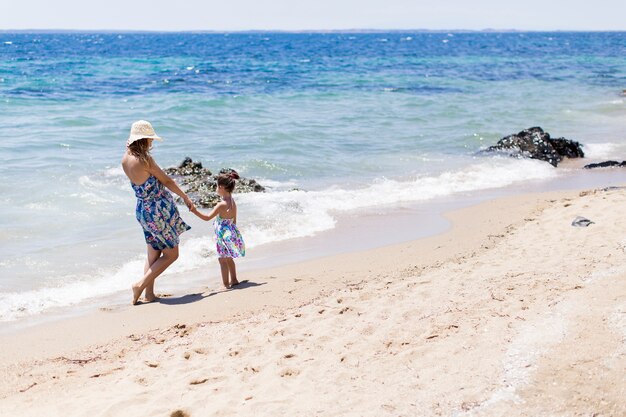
(140, 149)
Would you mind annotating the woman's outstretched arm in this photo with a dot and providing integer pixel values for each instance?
(165, 179)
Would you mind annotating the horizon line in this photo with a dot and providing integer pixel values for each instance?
(354, 30)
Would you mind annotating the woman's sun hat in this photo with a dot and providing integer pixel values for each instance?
(141, 129)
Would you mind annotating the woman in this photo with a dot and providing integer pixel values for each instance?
(156, 211)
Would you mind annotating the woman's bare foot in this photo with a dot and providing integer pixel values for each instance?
(151, 297)
(136, 294)
(234, 282)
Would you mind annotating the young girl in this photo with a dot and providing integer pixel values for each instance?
(229, 241)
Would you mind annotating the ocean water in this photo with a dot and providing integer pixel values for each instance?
(331, 123)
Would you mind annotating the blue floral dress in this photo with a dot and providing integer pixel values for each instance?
(229, 242)
(157, 214)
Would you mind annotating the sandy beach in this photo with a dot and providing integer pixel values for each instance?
(513, 311)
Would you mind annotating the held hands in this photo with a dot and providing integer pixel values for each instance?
(189, 204)
(203, 216)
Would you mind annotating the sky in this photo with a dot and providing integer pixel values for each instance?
(233, 15)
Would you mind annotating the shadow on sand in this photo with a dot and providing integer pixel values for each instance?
(192, 298)
(241, 286)
(185, 299)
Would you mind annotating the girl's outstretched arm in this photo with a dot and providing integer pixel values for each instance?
(216, 210)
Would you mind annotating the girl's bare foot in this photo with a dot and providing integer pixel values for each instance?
(234, 282)
(136, 294)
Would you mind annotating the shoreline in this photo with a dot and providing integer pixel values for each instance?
(361, 230)
(467, 322)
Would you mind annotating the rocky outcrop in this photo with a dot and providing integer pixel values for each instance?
(200, 184)
(534, 143)
(606, 164)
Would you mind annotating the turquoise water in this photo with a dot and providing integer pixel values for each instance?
(330, 123)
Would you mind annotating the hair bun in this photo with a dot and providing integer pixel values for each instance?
(234, 175)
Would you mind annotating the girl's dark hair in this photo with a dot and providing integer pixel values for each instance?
(227, 179)
(140, 149)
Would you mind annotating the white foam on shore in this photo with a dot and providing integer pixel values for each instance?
(276, 216)
(601, 150)
(73, 290)
(277, 185)
(290, 214)
(15, 305)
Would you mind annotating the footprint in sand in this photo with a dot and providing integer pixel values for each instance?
(289, 372)
(198, 381)
(344, 310)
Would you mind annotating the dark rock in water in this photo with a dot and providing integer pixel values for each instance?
(581, 222)
(188, 167)
(534, 143)
(606, 164)
(567, 148)
(201, 185)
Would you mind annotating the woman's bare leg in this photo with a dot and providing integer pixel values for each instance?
(153, 255)
(224, 270)
(168, 256)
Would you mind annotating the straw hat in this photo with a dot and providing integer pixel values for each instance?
(141, 130)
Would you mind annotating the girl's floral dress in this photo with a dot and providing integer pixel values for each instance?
(157, 214)
(230, 244)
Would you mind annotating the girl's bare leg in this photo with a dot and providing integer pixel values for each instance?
(153, 255)
(224, 271)
(168, 256)
(232, 271)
